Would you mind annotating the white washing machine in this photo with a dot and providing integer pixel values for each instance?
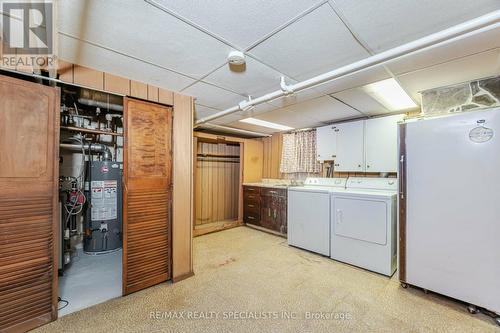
(309, 213)
(363, 224)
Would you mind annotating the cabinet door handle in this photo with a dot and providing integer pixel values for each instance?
(274, 214)
(401, 176)
(250, 189)
(274, 192)
(250, 217)
(251, 206)
(269, 212)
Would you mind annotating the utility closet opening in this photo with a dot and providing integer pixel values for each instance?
(90, 198)
(217, 186)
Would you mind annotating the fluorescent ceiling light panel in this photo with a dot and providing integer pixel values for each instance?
(268, 124)
(390, 94)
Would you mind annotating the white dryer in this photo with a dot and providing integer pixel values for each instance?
(363, 224)
(308, 215)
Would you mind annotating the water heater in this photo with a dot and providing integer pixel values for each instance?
(103, 218)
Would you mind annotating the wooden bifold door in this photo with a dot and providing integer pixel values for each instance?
(29, 172)
(147, 195)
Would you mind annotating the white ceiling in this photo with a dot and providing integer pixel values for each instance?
(182, 45)
(315, 44)
(383, 24)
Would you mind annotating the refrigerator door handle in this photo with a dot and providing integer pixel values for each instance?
(340, 216)
(401, 176)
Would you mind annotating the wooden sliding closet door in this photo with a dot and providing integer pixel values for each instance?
(29, 172)
(147, 253)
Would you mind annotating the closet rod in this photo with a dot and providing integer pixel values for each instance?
(218, 161)
(217, 155)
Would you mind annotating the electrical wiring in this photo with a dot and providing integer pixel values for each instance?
(59, 300)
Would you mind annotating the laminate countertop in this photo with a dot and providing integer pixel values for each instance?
(270, 185)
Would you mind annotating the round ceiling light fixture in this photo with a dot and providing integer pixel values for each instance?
(236, 58)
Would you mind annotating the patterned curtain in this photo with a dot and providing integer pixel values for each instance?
(299, 153)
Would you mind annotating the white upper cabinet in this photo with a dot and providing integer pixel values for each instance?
(360, 146)
(350, 143)
(381, 144)
(326, 143)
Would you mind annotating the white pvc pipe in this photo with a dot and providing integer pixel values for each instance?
(458, 31)
(237, 130)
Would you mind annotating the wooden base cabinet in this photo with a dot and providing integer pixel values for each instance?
(251, 205)
(265, 207)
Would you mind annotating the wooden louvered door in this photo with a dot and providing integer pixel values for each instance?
(147, 195)
(29, 138)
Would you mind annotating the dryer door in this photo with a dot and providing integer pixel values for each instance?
(360, 218)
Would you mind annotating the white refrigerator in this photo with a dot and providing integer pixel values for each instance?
(449, 206)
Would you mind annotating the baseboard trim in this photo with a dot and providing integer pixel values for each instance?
(256, 227)
(182, 277)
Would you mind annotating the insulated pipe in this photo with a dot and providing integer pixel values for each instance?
(93, 147)
(103, 105)
(474, 26)
(233, 129)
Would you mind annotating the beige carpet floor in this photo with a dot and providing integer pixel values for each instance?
(250, 281)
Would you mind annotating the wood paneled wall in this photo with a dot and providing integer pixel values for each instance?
(272, 147)
(182, 201)
(252, 160)
(217, 183)
(93, 79)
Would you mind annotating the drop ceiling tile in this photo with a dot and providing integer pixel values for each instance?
(290, 118)
(316, 43)
(473, 67)
(258, 109)
(253, 79)
(354, 80)
(360, 100)
(351, 81)
(384, 24)
(77, 52)
(201, 111)
(212, 96)
(239, 22)
(233, 130)
(448, 51)
(298, 97)
(253, 128)
(226, 119)
(311, 113)
(326, 109)
(139, 29)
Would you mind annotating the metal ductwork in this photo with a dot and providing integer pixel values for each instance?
(93, 147)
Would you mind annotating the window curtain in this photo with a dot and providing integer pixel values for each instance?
(299, 153)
